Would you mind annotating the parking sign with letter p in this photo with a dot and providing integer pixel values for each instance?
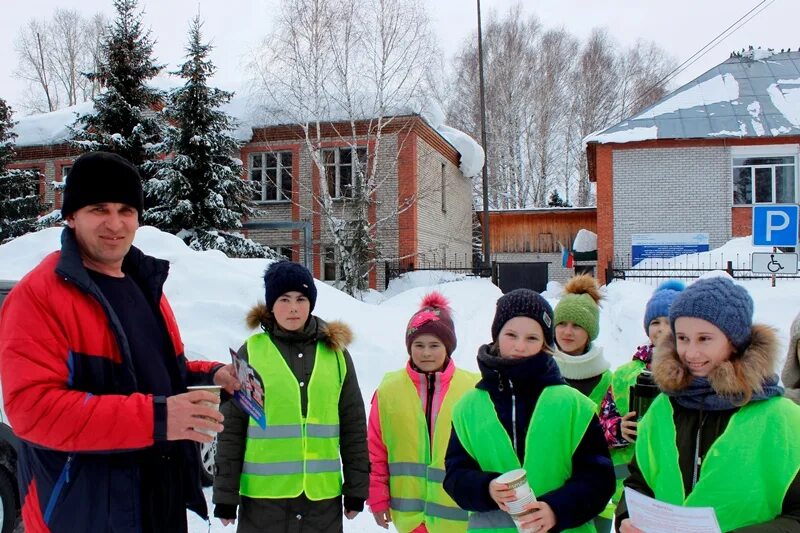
(775, 224)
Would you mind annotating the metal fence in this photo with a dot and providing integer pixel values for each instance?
(654, 271)
(457, 265)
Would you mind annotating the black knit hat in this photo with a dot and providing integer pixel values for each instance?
(524, 302)
(284, 276)
(98, 177)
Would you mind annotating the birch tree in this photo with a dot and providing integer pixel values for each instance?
(343, 62)
(53, 56)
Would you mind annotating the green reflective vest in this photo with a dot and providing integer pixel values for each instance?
(294, 455)
(624, 378)
(557, 426)
(746, 472)
(416, 471)
(600, 390)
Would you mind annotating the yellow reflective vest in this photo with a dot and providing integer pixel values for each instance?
(416, 469)
(557, 426)
(294, 455)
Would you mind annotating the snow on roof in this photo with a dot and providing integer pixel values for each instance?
(756, 95)
(53, 128)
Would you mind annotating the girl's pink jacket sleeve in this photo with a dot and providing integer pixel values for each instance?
(379, 497)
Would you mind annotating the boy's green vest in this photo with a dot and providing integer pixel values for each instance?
(294, 455)
(415, 471)
(746, 472)
(557, 426)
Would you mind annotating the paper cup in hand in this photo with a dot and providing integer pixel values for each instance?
(517, 480)
(214, 389)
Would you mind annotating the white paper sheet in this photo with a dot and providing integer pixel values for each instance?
(653, 516)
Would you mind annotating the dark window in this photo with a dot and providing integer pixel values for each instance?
(329, 264)
(271, 176)
(759, 180)
(343, 171)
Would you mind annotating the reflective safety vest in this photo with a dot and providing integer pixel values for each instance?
(416, 471)
(294, 455)
(557, 426)
(624, 378)
(746, 472)
(600, 390)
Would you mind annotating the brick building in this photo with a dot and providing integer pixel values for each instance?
(701, 157)
(422, 206)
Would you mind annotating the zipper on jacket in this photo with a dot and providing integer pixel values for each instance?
(697, 458)
(63, 479)
(431, 379)
(513, 416)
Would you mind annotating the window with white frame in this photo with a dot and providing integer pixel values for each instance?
(65, 171)
(329, 264)
(342, 166)
(764, 180)
(271, 176)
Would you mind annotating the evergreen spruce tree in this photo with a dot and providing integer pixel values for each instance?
(198, 193)
(123, 121)
(20, 204)
(555, 200)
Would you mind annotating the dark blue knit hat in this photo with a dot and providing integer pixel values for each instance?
(524, 302)
(662, 298)
(284, 276)
(719, 301)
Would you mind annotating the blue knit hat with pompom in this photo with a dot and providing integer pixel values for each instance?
(661, 300)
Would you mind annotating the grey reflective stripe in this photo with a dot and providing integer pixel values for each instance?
(448, 513)
(322, 430)
(275, 432)
(490, 520)
(407, 505)
(320, 465)
(292, 467)
(408, 469)
(293, 431)
(436, 475)
(621, 471)
(273, 469)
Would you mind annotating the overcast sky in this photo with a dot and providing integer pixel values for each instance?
(235, 26)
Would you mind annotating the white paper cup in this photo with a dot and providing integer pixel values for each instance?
(214, 389)
(518, 480)
(517, 519)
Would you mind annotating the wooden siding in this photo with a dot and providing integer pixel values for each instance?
(540, 231)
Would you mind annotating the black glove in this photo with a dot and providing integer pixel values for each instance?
(225, 510)
(353, 504)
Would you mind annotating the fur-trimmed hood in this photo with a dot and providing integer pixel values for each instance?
(742, 374)
(336, 335)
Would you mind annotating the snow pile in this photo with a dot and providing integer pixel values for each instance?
(585, 241)
(472, 155)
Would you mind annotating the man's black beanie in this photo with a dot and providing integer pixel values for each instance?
(99, 177)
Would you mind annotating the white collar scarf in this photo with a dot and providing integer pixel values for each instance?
(585, 366)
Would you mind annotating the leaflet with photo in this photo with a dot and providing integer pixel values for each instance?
(250, 397)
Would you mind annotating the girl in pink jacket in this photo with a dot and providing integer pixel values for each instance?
(409, 428)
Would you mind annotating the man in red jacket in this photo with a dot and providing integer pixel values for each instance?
(94, 376)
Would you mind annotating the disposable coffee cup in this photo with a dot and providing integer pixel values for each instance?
(517, 480)
(517, 518)
(213, 389)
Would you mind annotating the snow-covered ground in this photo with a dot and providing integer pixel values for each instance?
(211, 295)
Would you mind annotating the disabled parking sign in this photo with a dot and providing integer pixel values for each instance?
(775, 224)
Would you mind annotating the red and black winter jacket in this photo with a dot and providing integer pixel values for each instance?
(70, 393)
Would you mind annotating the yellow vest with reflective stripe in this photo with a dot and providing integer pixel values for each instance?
(294, 455)
(415, 471)
(557, 426)
(746, 472)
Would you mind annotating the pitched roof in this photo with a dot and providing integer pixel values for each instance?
(756, 95)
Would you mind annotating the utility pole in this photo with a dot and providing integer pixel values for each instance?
(487, 249)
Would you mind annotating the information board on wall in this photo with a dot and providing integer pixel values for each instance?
(666, 245)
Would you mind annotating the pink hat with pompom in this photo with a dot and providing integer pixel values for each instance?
(433, 318)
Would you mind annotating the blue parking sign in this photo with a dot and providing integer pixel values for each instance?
(775, 224)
